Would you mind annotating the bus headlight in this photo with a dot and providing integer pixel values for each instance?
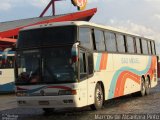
(67, 92)
(20, 94)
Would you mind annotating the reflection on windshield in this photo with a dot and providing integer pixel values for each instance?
(49, 65)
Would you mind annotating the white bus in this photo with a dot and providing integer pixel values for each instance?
(76, 64)
(7, 76)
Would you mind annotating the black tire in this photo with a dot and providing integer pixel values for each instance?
(147, 86)
(143, 90)
(48, 110)
(98, 98)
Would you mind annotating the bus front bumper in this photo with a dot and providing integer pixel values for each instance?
(48, 101)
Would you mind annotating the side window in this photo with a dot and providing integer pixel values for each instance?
(86, 64)
(153, 48)
(138, 46)
(10, 61)
(120, 43)
(82, 60)
(99, 39)
(6, 63)
(90, 63)
(85, 38)
(149, 47)
(144, 46)
(130, 44)
(110, 40)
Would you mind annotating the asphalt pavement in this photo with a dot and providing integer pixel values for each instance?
(118, 108)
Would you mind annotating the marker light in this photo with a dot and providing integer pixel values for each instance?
(67, 92)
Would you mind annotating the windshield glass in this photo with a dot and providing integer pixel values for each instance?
(46, 37)
(47, 65)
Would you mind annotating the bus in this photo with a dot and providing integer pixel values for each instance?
(7, 76)
(76, 64)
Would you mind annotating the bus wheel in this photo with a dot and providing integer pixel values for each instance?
(48, 110)
(143, 90)
(147, 86)
(99, 98)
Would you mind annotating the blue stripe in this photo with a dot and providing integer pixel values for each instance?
(9, 87)
(36, 89)
(116, 75)
(10, 52)
(98, 61)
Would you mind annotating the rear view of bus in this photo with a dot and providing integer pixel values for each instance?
(7, 72)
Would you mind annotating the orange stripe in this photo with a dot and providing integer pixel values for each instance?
(105, 61)
(131, 76)
(120, 86)
(103, 64)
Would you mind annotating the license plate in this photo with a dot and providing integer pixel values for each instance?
(43, 102)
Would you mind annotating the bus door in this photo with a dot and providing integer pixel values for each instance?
(85, 75)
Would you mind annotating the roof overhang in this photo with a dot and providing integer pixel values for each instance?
(10, 29)
(84, 15)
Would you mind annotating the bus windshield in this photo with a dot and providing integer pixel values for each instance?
(46, 37)
(47, 65)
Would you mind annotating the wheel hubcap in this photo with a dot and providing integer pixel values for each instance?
(147, 84)
(143, 88)
(99, 96)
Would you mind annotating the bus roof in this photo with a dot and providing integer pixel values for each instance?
(80, 23)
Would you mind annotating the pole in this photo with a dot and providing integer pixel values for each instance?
(52, 2)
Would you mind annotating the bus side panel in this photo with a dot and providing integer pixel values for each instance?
(91, 89)
(128, 72)
(83, 93)
(121, 74)
(104, 70)
(7, 80)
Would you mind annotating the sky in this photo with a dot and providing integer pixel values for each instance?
(136, 16)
